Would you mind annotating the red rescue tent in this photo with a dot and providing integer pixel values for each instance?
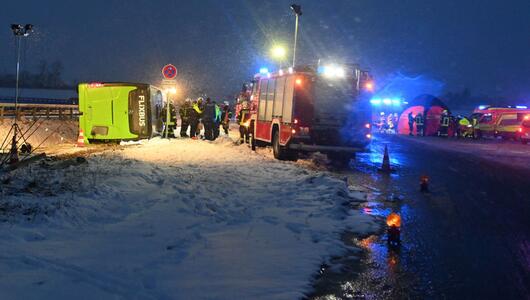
(431, 107)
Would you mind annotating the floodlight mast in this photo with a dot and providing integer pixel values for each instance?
(297, 9)
(19, 31)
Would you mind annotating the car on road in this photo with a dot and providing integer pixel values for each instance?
(508, 126)
(524, 130)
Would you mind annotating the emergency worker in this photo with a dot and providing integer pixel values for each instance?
(200, 126)
(226, 115)
(195, 114)
(390, 122)
(465, 127)
(444, 124)
(208, 118)
(172, 125)
(185, 111)
(419, 124)
(217, 121)
(475, 127)
(242, 118)
(382, 122)
(411, 123)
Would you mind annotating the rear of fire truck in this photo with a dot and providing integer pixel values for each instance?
(341, 117)
(322, 109)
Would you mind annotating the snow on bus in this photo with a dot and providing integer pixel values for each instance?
(312, 108)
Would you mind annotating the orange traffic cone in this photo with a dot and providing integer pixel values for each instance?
(386, 162)
(81, 139)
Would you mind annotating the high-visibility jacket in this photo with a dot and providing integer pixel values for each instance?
(197, 108)
(445, 121)
(243, 116)
(218, 113)
(463, 122)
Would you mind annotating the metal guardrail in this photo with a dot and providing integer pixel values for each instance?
(48, 111)
(38, 100)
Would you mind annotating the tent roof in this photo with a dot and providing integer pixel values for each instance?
(427, 100)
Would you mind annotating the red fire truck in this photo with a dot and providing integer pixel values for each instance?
(312, 108)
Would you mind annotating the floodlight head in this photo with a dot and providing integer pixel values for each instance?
(17, 29)
(297, 9)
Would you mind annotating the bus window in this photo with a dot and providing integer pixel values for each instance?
(288, 100)
(278, 98)
(262, 99)
(270, 99)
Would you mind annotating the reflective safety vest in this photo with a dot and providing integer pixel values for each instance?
(217, 113)
(463, 122)
(197, 109)
(445, 121)
(243, 116)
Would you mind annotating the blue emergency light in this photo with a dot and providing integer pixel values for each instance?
(264, 70)
(387, 101)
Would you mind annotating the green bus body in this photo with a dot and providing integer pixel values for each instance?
(119, 111)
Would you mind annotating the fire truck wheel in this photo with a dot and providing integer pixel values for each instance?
(279, 151)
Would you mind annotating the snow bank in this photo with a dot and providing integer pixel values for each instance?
(177, 219)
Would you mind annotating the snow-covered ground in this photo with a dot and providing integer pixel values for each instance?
(177, 219)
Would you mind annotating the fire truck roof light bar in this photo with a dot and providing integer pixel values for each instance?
(332, 71)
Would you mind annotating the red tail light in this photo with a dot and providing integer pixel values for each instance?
(520, 129)
(95, 84)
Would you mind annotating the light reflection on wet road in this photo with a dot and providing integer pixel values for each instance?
(469, 238)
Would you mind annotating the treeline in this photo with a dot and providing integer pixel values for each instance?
(47, 76)
(465, 98)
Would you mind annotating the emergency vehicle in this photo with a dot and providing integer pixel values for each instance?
(312, 108)
(501, 122)
(524, 130)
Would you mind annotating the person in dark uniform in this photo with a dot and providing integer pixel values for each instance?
(195, 114)
(208, 119)
(226, 115)
(444, 124)
(419, 124)
(411, 123)
(185, 111)
(172, 125)
(242, 119)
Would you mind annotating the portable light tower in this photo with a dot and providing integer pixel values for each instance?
(19, 31)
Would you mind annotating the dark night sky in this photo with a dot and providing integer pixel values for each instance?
(480, 44)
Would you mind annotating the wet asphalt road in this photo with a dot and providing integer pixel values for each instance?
(469, 238)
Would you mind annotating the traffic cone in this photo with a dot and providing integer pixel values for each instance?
(81, 139)
(386, 162)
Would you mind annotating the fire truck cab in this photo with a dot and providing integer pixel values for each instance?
(310, 109)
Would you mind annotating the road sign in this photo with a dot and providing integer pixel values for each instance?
(170, 82)
(169, 71)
